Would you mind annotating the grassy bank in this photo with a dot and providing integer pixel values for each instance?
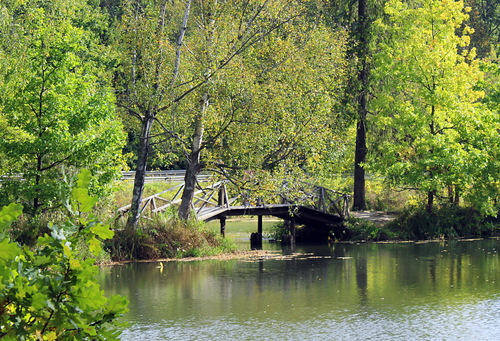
(165, 236)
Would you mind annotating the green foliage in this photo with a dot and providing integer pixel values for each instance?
(361, 229)
(27, 229)
(49, 293)
(449, 221)
(283, 125)
(56, 108)
(277, 231)
(381, 196)
(272, 85)
(435, 134)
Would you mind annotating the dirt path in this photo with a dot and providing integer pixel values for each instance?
(379, 218)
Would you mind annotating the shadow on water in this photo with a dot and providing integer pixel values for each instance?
(447, 290)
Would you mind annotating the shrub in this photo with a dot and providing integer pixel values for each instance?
(448, 221)
(360, 229)
(277, 231)
(48, 293)
(27, 228)
(167, 236)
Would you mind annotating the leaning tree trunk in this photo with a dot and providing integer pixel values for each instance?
(194, 164)
(140, 173)
(360, 152)
(158, 84)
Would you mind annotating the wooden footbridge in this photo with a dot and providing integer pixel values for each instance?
(298, 204)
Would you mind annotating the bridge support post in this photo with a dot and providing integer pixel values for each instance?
(256, 241)
(223, 227)
(256, 238)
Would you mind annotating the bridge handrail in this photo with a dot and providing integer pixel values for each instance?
(324, 200)
(151, 200)
(317, 197)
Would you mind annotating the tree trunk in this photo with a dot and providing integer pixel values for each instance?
(159, 94)
(430, 200)
(194, 164)
(359, 171)
(140, 173)
(38, 176)
(456, 200)
(360, 152)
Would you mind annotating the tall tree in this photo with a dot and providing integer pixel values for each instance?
(149, 72)
(428, 104)
(362, 51)
(358, 15)
(217, 44)
(57, 108)
(159, 87)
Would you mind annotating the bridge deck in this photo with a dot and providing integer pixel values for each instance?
(301, 214)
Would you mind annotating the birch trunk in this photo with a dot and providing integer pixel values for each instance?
(194, 164)
(140, 173)
(148, 119)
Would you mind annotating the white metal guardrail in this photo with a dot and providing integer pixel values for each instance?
(165, 175)
(151, 176)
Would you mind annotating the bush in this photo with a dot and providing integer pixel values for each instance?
(277, 231)
(49, 293)
(27, 228)
(360, 229)
(449, 221)
(167, 236)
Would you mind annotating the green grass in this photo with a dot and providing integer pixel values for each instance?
(239, 229)
(238, 226)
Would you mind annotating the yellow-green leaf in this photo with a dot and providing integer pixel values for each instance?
(8, 251)
(103, 231)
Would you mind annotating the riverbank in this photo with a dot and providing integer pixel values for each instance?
(162, 241)
(260, 255)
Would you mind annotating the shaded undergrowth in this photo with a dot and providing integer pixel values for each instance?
(445, 222)
(357, 229)
(417, 223)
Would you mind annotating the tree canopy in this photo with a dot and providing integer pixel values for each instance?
(428, 104)
(56, 105)
(268, 88)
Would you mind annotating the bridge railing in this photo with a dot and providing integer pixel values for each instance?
(317, 197)
(304, 194)
(213, 195)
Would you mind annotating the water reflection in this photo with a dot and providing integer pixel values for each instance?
(371, 291)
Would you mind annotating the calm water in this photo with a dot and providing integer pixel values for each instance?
(433, 291)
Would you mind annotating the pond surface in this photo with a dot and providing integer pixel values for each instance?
(430, 291)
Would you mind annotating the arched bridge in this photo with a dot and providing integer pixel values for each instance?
(298, 203)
